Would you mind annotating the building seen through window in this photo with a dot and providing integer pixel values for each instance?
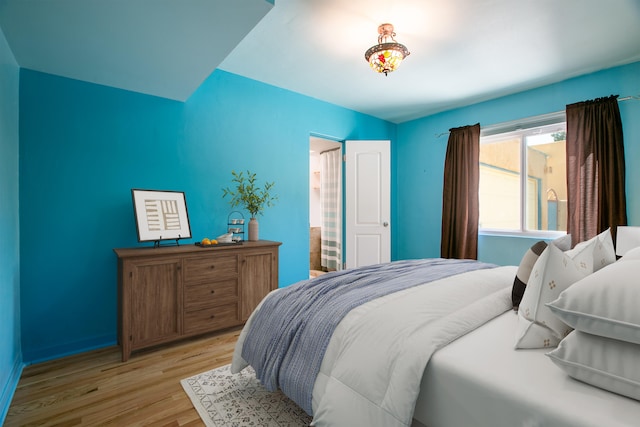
(534, 200)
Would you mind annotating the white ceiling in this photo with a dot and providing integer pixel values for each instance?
(462, 51)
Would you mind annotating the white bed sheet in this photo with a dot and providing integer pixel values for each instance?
(480, 380)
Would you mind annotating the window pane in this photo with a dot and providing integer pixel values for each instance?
(499, 192)
(546, 181)
(514, 199)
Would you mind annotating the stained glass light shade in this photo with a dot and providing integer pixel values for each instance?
(387, 55)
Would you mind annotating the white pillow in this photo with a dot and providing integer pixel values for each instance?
(528, 261)
(606, 303)
(631, 254)
(554, 272)
(602, 362)
(524, 272)
(604, 253)
(563, 242)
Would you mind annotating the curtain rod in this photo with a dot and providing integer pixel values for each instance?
(330, 150)
(625, 98)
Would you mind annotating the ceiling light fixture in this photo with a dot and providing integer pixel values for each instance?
(387, 55)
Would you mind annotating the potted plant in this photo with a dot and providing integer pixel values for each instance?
(251, 197)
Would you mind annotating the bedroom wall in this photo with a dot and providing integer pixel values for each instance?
(421, 148)
(10, 354)
(84, 146)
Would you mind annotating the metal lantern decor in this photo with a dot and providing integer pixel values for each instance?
(387, 55)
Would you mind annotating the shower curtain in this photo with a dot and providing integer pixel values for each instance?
(331, 210)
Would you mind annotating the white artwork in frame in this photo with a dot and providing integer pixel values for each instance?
(160, 215)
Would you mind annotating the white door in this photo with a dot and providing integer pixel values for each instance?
(368, 204)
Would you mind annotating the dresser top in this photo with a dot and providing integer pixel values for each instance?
(189, 248)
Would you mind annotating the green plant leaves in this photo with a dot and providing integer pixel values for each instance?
(248, 194)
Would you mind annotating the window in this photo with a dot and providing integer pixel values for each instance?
(513, 201)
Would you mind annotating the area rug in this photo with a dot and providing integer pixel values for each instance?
(237, 400)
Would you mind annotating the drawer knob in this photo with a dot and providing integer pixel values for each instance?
(212, 316)
(213, 291)
(212, 267)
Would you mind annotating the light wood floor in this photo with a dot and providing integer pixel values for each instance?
(96, 388)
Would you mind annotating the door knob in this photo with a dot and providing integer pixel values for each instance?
(386, 224)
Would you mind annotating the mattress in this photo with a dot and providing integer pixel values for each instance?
(480, 380)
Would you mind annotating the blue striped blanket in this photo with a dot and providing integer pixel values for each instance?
(289, 334)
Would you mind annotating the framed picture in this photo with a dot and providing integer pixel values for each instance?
(160, 215)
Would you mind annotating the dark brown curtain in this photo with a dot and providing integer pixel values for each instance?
(460, 210)
(595, 168)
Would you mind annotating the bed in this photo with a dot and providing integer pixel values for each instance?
(441, 353)
(473, 383)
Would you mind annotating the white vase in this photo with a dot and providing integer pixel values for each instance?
(253, 230)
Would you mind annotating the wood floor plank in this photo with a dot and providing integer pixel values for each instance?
(96, 388)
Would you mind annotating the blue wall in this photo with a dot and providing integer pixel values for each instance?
(421, 147)
(84, 146)
(10, 355)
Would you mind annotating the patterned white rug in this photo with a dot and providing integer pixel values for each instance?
(224, 399)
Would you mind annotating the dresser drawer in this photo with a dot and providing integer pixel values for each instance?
(210, 319)
(209, 294)
(205, 269)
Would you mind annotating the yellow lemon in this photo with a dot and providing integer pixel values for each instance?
(205, 241)
(214, 242)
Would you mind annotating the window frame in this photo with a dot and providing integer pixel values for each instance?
(520, 127)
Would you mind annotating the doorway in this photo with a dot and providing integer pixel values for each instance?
(325, 205)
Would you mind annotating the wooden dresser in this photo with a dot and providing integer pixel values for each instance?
(172, 292)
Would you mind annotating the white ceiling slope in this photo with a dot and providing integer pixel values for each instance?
(165, 48)
(462, 51)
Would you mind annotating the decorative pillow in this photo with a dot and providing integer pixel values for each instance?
(554, 272)
(604, 252)
(604, 303)
(524, 272)
(528, 260)
(563, 242)
(602, 362)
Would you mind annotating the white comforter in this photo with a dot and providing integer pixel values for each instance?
(371, 372)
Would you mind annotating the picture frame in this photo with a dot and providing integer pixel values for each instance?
(160, 215)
